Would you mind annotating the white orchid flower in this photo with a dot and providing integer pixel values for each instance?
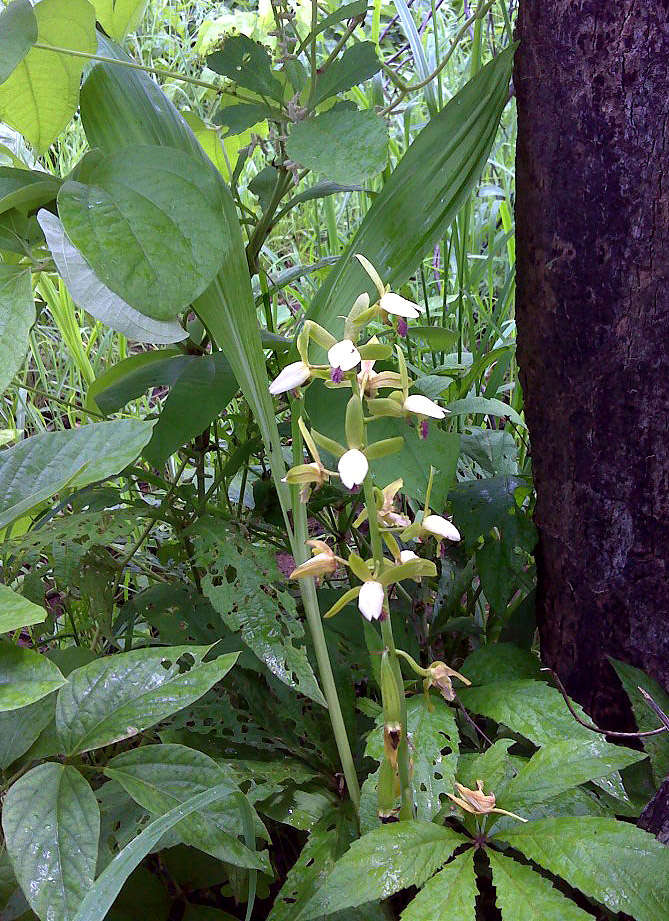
(441, 528)
(344, 356)
(406, 556)
(291, 377)
(370, 600)
(399, 306)
(352, 468)
(423, 406)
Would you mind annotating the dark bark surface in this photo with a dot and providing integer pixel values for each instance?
(592, 222)
(655, 817)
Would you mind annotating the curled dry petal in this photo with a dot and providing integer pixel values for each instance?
(292, 376)
(370, 600)
(352, 468)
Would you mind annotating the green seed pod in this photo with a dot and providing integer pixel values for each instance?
(355, 427)
(386, 790)
(390, 693)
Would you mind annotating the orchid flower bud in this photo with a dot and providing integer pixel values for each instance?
(423, 406)
(441, 528)
(399, 306)
(370, 600)
(352, 468)
(290, 378)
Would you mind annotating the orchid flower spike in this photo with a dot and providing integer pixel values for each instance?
(370, 599)
(290, 378)
(352, 467)
(422, 406)
(390, 302)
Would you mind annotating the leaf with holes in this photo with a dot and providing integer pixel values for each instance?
(241, 583)
(118, 696)
(51, 823)
(248, 64)
(448, 896)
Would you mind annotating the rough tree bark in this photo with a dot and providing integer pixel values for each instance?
(592, 223)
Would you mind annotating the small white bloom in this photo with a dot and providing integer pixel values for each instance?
(370, 600)
(344, 355)
(441, 527)
(292, 376)
(423, 406)
(399, 306)
(407, 555)
(352, 468)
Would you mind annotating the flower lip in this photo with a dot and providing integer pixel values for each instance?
(370, 600)
(399, 306)
(344, 355)
(292, 376)
(423, 406)
(441, 527)
(352, 467)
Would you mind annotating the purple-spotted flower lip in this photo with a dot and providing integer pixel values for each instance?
(344, 355)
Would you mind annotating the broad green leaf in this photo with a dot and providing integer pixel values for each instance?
(202, 391)
(384, 861)
(18, 33)
(435, 337)
(89, 293)
(524, 895)
(423, 194)
(133, 376)
(473, 405)
(118, 696)
(237, 119)
(243, 583)
(17, 315)
(25, 676)
(160, 777)
(343, 144)
(657, 746)
(500, 662)
(107, 886)
(562, 765)
(481, 505)
(26, 189)
(448, 896)
(35, 469)
(118, 17)
(223, 152)
(246, 63)
(614, 862)
(17, 611)
(493, 766)
(20, 728)
(41, 95)
(493, 450)
(357, 64)
(51, 823)
(433, 739)
(149, 222)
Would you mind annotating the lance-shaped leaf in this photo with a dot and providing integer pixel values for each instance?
(382, 862)
(41, 95)
(51, 823)
(42, 465)
(614, 862)
(18, 33)
(26, 189)
(25, 676)
(17, 315)
(448, 896)
(118, 696)
(524, 895)
(149, 222)
(160, 777)
(89, 293)
(423, 194)
(17, 611)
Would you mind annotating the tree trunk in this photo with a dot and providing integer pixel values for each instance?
(592, 223)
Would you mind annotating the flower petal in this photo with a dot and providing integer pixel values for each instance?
(407, 555)
(292, 376)
(370, 600)
(399, 306)
(344, 355)
(352, 468)
(441, 527)
(423, 406)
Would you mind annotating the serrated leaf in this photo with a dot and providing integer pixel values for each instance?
(246, 63)
(107, 886)
(357, 64)
(382, 862)
(17, 315)
(524, 895)
(89, 293)
(160, 777)
(36, 468)
(493, 766)
(562, 765)
(448, 896)
(51, 823)
(149, 222)
(343, 144)
(26, 189)
(656, 746)
(41, 95)
(17, 611)
(20, 728)
(422, 195)
(25, 676)
(619, 865)
(242, 582)
(18, 33)
(118, 696)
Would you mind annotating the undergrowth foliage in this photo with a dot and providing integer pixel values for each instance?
(268, 606)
